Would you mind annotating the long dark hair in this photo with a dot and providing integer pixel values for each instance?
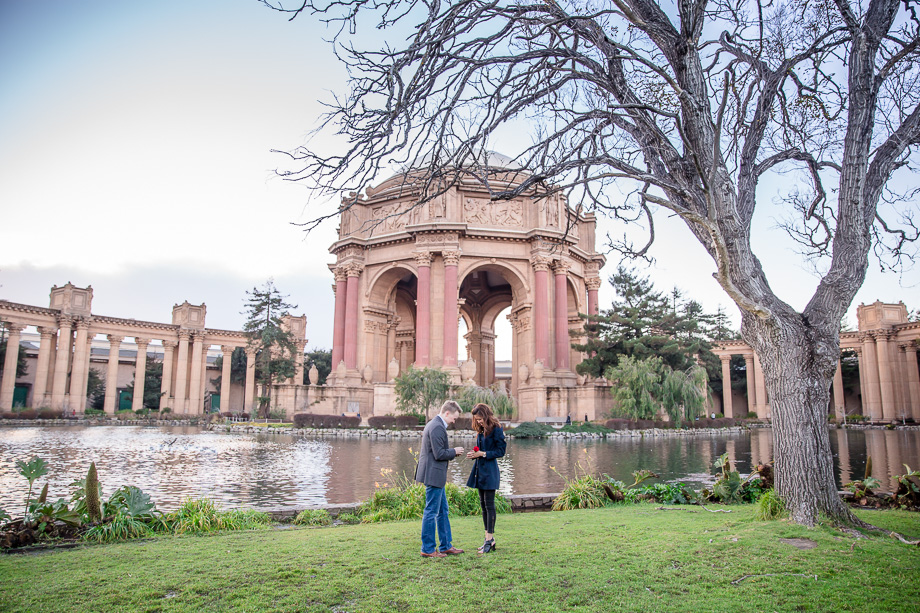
(489, 421)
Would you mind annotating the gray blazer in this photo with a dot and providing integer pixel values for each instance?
(434, 455)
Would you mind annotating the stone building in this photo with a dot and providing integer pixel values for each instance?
(406, 272)
(68, 331)
(885, 345)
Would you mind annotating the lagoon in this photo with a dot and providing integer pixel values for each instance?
(283, 471)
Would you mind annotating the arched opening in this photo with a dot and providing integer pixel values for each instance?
(487, 294)
(390, 317)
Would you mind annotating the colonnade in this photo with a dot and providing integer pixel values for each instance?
(886, 350)
(68, 329)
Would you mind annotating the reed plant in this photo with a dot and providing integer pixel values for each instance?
(770, 506)
(313, 517)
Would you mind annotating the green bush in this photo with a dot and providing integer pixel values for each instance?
(585, 492)
(770, 506)
(201, 515)
(530, 429)
(313, 517)
(586, 427)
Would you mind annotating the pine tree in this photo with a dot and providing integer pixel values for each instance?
(275, 347)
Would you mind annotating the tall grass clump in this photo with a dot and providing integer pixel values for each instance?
(197, 516)
(770, 506)
(313, 517)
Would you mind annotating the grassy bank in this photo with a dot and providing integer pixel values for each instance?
(630, 558)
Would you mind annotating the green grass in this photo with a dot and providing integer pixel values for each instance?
(622, 558)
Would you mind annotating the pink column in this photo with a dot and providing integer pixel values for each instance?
(8, 387)
(560, 268)
(351, 316)
(423, 310)
(593, 284)
(541, 308)
(338, 328)
(727, 407)
(451, 294)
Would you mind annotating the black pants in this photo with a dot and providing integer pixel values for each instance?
(487, 502)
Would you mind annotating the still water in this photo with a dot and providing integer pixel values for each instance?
(277, 471)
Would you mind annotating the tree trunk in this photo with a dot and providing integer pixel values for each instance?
(798, 371)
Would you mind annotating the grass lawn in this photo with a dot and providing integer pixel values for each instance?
(621, 558)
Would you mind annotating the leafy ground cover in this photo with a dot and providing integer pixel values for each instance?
(641, 557)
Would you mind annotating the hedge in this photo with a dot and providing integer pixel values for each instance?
(309, 420)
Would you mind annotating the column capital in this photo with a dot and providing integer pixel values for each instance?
(354, 269)
(198, 336)
(561, 267)
(47, 331)
(540, 263)
(251, 351)
(227, 349)
(115, 339)
(82, 323)
(593, 283)
(422, 258)
(170, 344)
(65, 321)
(184, 334)
(15, 327)
(341, 273)
(141, 341)
(451, 258)
(728, 358)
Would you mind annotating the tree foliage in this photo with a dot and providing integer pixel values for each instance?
(421, 390)
(502, 404)
(643, 387)
(153, 381)
(275, 347)
(322, 358)
(687, 107)
(95, 389)
(643, 322)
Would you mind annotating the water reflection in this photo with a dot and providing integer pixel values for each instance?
(275, 471)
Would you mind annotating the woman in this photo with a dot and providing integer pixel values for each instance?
(490, 444)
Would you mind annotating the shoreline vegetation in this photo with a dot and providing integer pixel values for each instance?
(639, 557)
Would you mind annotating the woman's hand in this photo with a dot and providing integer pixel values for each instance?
(475, 454)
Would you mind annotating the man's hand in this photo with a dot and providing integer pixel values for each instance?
(458, 451)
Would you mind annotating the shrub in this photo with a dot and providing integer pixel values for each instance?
(309, 420)
(46, 413)
(770, 506)
(585, 492)
(530, 429)
(313, 517)
(202, 515)
(349, 518)
(8, 415)
(585, 426)
(462, 423)
(669, 493)
(93, 412)
(26, 414)
(752, 415)
(393, 421)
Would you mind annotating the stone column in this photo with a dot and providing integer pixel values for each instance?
(761, 388)
(883, 354)
(226, 354)
(839, 404)
(140, 373)
(593, 284)
(913, 379)
(250, 389)
(726, 385)
(541, 308)
(423, 310)
(40, 387)
(861, 369)
(61, 362)
(8, 385)
(904, 405)
(111, 374)
(338, 328)
(80, 362)
(561, 323)
(351, 317)
(451, 296)
(872, 393)
(751, 386)
(194, 378)
(181, 392)
(298, 364)
(166, 399)
(85, 381)
(203, 385)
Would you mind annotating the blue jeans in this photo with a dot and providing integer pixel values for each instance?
(435, 516)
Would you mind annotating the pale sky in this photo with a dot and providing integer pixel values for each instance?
(135, 157)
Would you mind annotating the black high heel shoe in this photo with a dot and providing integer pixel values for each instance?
(488, 546)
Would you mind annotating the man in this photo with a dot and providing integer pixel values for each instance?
(432, 471)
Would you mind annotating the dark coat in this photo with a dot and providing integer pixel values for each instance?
(485, 474)
(434, 455)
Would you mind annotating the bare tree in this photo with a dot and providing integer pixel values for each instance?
(692, 103)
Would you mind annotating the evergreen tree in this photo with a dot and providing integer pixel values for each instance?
(95, 389)
(418, 390)
(275, 347)
(644, 323)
